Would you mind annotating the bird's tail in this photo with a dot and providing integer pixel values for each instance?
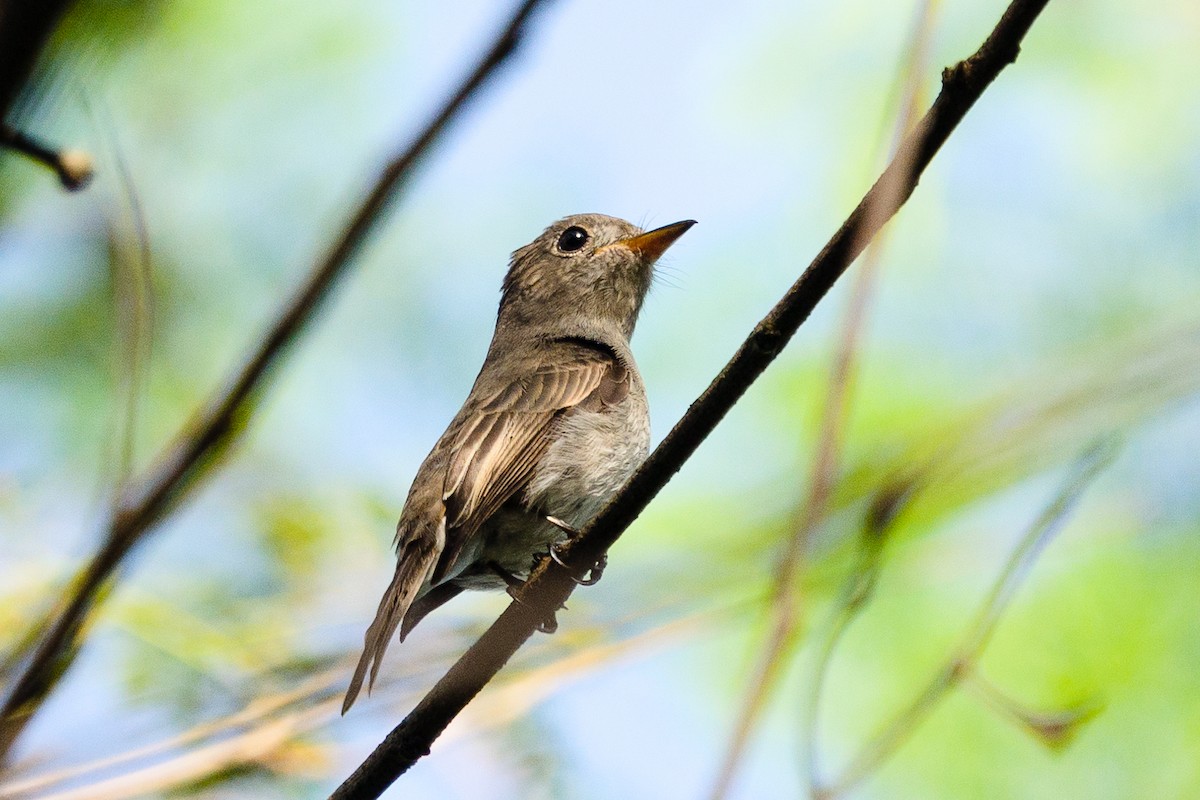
(414, 563)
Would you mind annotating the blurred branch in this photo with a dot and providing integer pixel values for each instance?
(131, 267)
(966, 655)
(1056, 408)
(262, 731)
(25, 27)
(1054, 729)
(255, 745)
(257, 715)
(73, 167)
(857, 592)
(550, 584)
(513, 699)
(786, 613)
(179, 467)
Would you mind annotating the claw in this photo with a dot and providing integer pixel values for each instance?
(591, 577)
(563, 525)
(595, 573)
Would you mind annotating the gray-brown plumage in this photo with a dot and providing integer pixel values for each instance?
(556, 422)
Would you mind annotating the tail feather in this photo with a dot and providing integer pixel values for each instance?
(438, 595)
(415, 561)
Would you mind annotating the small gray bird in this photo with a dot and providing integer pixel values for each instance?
(556, 422)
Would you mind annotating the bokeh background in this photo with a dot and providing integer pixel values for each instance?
(1040, 292)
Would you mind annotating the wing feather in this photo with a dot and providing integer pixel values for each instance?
(495, 454)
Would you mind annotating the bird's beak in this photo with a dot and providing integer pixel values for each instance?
(652, 244)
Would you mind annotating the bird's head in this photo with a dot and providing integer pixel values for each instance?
(586, 266)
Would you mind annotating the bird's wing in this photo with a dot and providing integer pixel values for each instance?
(490, 458)
(495, 453)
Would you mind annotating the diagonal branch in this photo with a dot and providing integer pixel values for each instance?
(550, 584)
(178, 469)
(786, 607)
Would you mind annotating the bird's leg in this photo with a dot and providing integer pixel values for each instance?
(594, 574)
(514, 586)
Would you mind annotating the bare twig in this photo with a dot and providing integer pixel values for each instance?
(178, 469)
(550, 584)
(786, 614)
(73, 167)
(966, 654)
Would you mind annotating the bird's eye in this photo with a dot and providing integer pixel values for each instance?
(572, 239)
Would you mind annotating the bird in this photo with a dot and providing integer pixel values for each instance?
(556, 421)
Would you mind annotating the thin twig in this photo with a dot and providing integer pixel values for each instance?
(979, 633)
(550, 584)
(786, 613)
(856, 594)
(73, 167)
(178, 469)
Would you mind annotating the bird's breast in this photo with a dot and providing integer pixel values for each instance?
(591, 455)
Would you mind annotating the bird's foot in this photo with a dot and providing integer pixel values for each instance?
(593, 575)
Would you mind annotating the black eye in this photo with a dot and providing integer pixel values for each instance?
(572, 239)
